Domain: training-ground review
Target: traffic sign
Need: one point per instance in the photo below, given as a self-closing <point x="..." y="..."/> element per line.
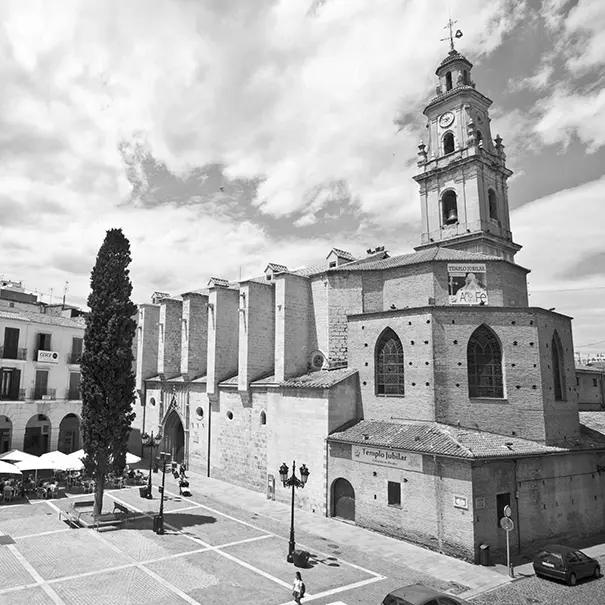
<point x="507" y="511"/>
<point x="507" y="523"/>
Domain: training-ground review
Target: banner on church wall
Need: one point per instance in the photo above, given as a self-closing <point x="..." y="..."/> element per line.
<point x="377" y="455"/>
<point x="467" y="284"/>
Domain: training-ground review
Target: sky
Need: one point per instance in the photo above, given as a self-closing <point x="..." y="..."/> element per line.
<point x="221" y="135"/>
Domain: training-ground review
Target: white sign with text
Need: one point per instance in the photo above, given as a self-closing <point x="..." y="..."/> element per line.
<point x="383" y="457"/>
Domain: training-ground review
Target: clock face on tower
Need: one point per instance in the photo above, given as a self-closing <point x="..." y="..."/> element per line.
<point x="446" y="119"/>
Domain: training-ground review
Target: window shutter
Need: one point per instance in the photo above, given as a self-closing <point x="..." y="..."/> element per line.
<point x="15" y="384"/>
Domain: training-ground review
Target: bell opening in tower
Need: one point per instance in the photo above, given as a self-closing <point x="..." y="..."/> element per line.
<point x="450" y="208"/>
<point x="448" y="80"/>
<point x="448" y="143"/>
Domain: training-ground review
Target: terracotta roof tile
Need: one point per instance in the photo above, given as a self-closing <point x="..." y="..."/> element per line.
<point x="323" y="379"/>
<point x="342" y="254"/>
<point x="446" y="440"/>
<point x="277" y="268"/>
<point x="42" y="318"/>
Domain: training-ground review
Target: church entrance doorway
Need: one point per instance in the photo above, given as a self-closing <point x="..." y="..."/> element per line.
<point x="174" y="437"/>
<point x="343" y="500"/>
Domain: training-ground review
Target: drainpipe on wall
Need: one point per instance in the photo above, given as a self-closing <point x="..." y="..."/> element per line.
<point x="209" y="432"/>
<point x="144" y="401"/>
<point x="517" y="507"/>
<point x="327" y="508"/>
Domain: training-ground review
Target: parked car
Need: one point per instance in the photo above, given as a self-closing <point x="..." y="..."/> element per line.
<point x="417" y="594"/>
<point x="565" y="563"/>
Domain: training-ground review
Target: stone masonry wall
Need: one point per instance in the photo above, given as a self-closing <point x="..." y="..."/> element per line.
<point x="427" y="514"/>
<point x="292" y="325"/>
<point x="147" y="343"/>
<point x="223" y="336"/>
<point x="320" y="330"/>
<point x="194" y="349"/>
<point x="169" y="345"/>
<point x="256" y="332"/>
<point x="344" y="297"/>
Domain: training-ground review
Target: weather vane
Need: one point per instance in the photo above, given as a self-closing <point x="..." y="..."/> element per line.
<point x="458" y="34"/>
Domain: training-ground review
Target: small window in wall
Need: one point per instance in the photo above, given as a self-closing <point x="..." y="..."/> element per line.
<point x="152" y="401"/>
<point x="394" y="493"/>
<point x="44" y="342"/>
<point x="229" y="415"/>
<point x="332" y="264"/>
<point x="595" y="382"/>
<point x="493" y="204"/>
<point x="263" y="418"/>
<point x="577" y="381"/>
<point x="448" y="80"/>
<point x="464" y="76"/>
<point x="448" y="143"/>
<point x="199" y="412"/>
<point x="479" y="136"/>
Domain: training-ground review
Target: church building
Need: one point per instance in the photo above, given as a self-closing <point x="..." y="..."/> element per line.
<point x="421" y="391"/>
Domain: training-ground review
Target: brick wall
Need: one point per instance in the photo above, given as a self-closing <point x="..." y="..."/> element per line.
<point x="319" y="329"/>
<point x="198" y="429"/>
<point x="426" y="515"/>
<point x="223" y="334"/>
<point x="590" y="396"/>
<point x="256" y="332"/>
<point x="169" y="345"/>
<point x="344" y="297"/>
<point x="292" y="325"/>
<point x="194" y="344"/>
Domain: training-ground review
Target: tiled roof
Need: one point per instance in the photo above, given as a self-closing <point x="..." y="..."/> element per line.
<point x="422" y="256"/>
<point x="42" y="318"/>
<point x="229" y="382"/>
<point x="582" y="368"/>
<point x="593" y="420"/>
<point x="323" y="379"/>
<point x="452" y="56"/>
<point x="446" y="440"/>
<point x="217" y="281"/>
<point x="342" y="254"/>
<point x="277" y="268"/>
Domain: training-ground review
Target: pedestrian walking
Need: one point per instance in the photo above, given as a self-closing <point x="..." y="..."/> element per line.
<point x="298" y="588"/>
<point x="182" y="471"/>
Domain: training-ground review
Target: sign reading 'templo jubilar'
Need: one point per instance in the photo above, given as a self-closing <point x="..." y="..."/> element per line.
<point x="391" y="458"/>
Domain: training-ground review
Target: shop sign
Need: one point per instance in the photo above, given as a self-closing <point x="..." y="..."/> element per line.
<point x="467" y="284"/>
<point x="391" y="458"/>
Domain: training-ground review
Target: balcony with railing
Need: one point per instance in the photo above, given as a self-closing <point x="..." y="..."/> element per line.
<point x="13" y="353"/>
<point x="42" y="393"/>
<point x="20" y="396"/>
<point x="74" y="358"/>
<point x="73" y="395"/>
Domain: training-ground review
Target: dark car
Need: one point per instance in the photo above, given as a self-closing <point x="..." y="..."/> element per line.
<point x="565" y="563"/>
<point x="417" y="594"/>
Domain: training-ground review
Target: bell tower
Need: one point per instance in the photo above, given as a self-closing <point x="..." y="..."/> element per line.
<point x="462" y="172"/>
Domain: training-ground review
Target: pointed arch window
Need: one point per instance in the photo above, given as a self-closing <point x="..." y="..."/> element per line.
<point x="389" y="365"/>
<point x="493" y="204"/>
<point x="484" y="360"/>
<point x="448" y="80"/>
<point x="479" y="137"/>
<point x="448" y="143"/>
<point x="558" y="375"/>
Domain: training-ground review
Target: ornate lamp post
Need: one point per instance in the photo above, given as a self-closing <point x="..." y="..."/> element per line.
<point x="294" y="482"/>
<point x="165" y="459"/>
<point x="151" y="442"/>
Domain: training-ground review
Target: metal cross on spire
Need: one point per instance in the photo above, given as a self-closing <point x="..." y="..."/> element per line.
<point x="458" y="34"/>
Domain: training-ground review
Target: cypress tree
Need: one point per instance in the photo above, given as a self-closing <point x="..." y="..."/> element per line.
<point x="108" y="381"/>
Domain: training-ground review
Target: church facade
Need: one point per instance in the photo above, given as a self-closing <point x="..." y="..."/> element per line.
<point x="422" y="391"/>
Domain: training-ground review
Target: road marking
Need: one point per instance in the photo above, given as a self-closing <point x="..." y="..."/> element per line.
<point x="44" y="533"/>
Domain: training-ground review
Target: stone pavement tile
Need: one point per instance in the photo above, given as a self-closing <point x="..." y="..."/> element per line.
<point x="68" y="553"/>
<point x="12" y="573"/>
<point x="236" y="584"/>
<point x="212" y="529"/>
<point x="130" y="586"/>
<point x="28" y="596"/>
<point x="131" y="497"/>
<point x="138" y="541"/>
<point x="29" y="519"/>
<point x="323" y="573"/>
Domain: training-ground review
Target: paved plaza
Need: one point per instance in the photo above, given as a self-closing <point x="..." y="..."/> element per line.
<point x="224" y="545"/>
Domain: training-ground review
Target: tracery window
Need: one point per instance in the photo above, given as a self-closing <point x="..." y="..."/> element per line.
<point x="389" y="365"/>
<point x="484" y="360"/>
<point x="556" y="352"/>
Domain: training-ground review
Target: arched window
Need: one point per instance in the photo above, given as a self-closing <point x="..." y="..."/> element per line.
<point x="464" y="77"/>
<point x="263" y="417"/>
<point x="448" y="143"/>
<point x="450" y="208"/>
<point x="479" y="137"/>
<point x="493" y="205"/>
<point x="484" y="359"/>
<point x="448" y="80"/>
<point x="558" y="375"/>
<point x="389" y="364"/>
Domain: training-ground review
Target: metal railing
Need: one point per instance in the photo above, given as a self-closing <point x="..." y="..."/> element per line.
<point x="42" y="393"/>
<point x="20" y="396"/>
<point x="11" y="353"/>
<point x="74" y="358"/>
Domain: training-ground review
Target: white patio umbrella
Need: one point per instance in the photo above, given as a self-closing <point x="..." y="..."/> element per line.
<point x="61" y="461"/>
<point x="6" y="468"/>
<point x="16" y="456"/>
<point x="37" y="464"/>
<point x="130" y="458"/>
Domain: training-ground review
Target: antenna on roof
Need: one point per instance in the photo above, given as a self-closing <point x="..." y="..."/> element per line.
<point x="65" y="292"/>
<point x="51" y="297"/>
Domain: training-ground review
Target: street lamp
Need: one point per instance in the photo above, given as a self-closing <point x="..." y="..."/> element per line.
<point x="294" y="482"/>
<point x="165" y="459"/>
<point x="151" y="442"/>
